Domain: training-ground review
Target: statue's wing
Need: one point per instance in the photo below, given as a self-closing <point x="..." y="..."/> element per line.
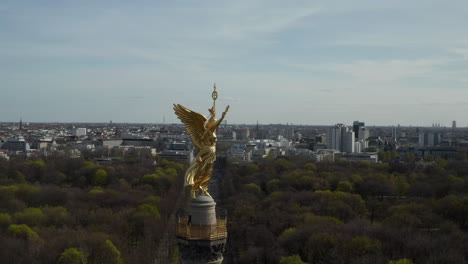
<point x="193" y="122"/>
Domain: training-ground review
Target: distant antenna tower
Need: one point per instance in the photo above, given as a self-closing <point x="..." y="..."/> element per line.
<point x="257" y="131"/>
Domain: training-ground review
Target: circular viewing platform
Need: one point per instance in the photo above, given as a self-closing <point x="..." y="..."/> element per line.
<point x="185" y="229"/>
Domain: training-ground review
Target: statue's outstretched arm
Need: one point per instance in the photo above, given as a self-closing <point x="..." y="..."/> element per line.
<point x="222" y="117"/>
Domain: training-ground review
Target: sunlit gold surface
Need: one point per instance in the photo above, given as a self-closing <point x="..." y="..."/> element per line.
<point x="203" y="134"/>
<point x="201" y="232"/>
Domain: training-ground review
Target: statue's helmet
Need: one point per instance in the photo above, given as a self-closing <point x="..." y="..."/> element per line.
<point x="212" y="120"/>
<point x="212" y="111"/>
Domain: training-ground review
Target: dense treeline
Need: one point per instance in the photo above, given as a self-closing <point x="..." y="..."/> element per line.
<point x="62" y="210"/>
<point x="288" y="210"/>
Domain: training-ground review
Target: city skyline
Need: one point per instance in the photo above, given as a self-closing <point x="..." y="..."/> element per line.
<point x="25" y="124"/>
<point x="299" y="62"/>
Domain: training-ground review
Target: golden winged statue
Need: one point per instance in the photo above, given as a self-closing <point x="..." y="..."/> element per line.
<point x="203" y="134"/>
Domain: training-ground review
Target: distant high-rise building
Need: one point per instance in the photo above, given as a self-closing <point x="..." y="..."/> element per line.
<point x="362" y="140"/>
<point x="356" y="126"/>
<point x="80" y="131"/>
<point x="334" y="136"/>
<point x="357" y="147"/>
<point x="21" y="124"/>
<point x="395" y="133"/>
<point x="288" y="133"/>
<point x="340" y="138"/>
<point x="347" y="142"/>
<point x="421" y="139"/>
<point x="257" y="132"/>
<point x="363" y="134"/>
<point x="429" y="139"/>
<point x="454" y="125"/>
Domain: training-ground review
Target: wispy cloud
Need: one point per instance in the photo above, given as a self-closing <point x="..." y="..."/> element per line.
<point x="333" y="52"/>
<point x="461" y="51"/>
<point x="326" y="90"/>
<point x="386" y="70"/>
<point x="375" y="41"/>
<point x="264" y="22"/>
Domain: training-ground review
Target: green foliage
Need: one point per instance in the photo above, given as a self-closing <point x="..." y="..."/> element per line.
<point x="19" y="177"/>
<point x="363" y="245"/>
<point x="409" y="157"/>
<point x="401" y="185"/>
<point x="320" y="245"/>
<point x="149" y="209"/>
<point x="454" y="208"/>
<point x="170" y="172"/>
<point x="411" y="215"/>
<point x="282" y="165"/>
<point x="9" y="190"/>
<point x="153" y="200"/>
<point x="161" y="180"/>
<point x="376" y="213"/>
<point x="276" y="195"/>
<point x="100" y="177"/>
<point x="5" y="219"/>
<point x="403" y="220"/>
<point x="160" y="171"/>
<point x="293" y="218"/>
<point x="345" y="186"/>
<point x="461" y="154"/>
<point x="57" y="215"/>
<point x="22" y="231"/>
<point x="253" y="188"/>
<point x="89" y="164"/>
<point x="441" y="162"/>
<point x="55" y="177"/>
<point x="27" y="192"/>
<point x="311" y="219"/>
<point x="174" y="165"/>
<point x="455" y="180"/>
<point x="30" y="216"/>
<point x="310" y="167"/>
<point x="301" y="179"/>
<point x="175" y="255"/>
<point x="401" y="261"/>
<point x="105" y="253"/>
<point x="111" y="254"/>
<point x="343" y="206"/>
<point x="96" y="191"/>
<point x="150" y="178"/>
<point x="364" y="164"/>
<point x="273" y="185"/>
<point x="124" y="184"/>
<point x="295" y="259"/>
<point x="388" y="156"/>
<point x="288" y="233"/>
<point x="80" y="213"/>
<point x="39" y="163"/>
<point x="252" y="169"/>
<point x="325" y="175"/>
<point x="72" y="256"/>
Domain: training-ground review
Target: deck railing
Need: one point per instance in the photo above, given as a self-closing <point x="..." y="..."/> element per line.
<point x="201" y="232"/>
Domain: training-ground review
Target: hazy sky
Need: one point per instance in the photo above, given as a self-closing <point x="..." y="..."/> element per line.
<point x="301" y="62"/>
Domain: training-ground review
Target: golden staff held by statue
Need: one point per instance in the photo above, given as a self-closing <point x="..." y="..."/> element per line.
<point x="203" y="134"/>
